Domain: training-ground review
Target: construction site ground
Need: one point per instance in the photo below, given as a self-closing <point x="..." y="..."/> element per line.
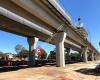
<point x="76" y="71"/>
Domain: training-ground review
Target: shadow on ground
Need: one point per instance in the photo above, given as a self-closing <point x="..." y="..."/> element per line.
<point x="11" y="68"/>
<point x="89" y="71"/>
<point x="15" y="68"/>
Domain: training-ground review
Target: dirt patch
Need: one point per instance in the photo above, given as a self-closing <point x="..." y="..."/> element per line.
<point x="51" y="73"/>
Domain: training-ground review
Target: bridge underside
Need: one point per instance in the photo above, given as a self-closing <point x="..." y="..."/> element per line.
<point x="12" y="26"/>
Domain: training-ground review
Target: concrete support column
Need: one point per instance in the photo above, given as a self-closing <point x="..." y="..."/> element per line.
<point x="96" y="57"/>
<point x="85" y="56"/>
<point x="81" y="56"/>
<point x="60" y="55"/>
<point x="32" y="46"/>
<point x="92" y="56"/>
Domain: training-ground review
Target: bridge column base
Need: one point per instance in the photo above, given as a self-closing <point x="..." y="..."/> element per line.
<point x="32" y="46"/>
<point x="92" y="56"/>
<point x="85" y="55"/>
<point x="60" y="56"/>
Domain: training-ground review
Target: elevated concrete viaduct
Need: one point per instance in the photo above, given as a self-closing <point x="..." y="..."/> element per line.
<point x="43" y="19"/>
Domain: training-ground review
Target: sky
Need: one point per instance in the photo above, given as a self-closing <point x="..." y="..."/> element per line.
<point x="8" y="41"/>
<point x="87" y="10"/>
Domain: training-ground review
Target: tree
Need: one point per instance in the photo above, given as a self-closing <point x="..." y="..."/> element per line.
<point x="21" y="51"/>
<point x="52" y="55"/>
<point x="3" y="54"/>
<point x="24" y="53"/>
<point x="41" y="53"/>
<point x="66" y="56"/>
<point x="44" y="55"/>
<point x="18" y="48"/>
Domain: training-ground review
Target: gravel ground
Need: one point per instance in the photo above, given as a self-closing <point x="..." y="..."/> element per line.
<point x="76" y="71"/>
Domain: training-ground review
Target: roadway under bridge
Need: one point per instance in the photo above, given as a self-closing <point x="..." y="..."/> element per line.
<point x="46" y="21"/>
